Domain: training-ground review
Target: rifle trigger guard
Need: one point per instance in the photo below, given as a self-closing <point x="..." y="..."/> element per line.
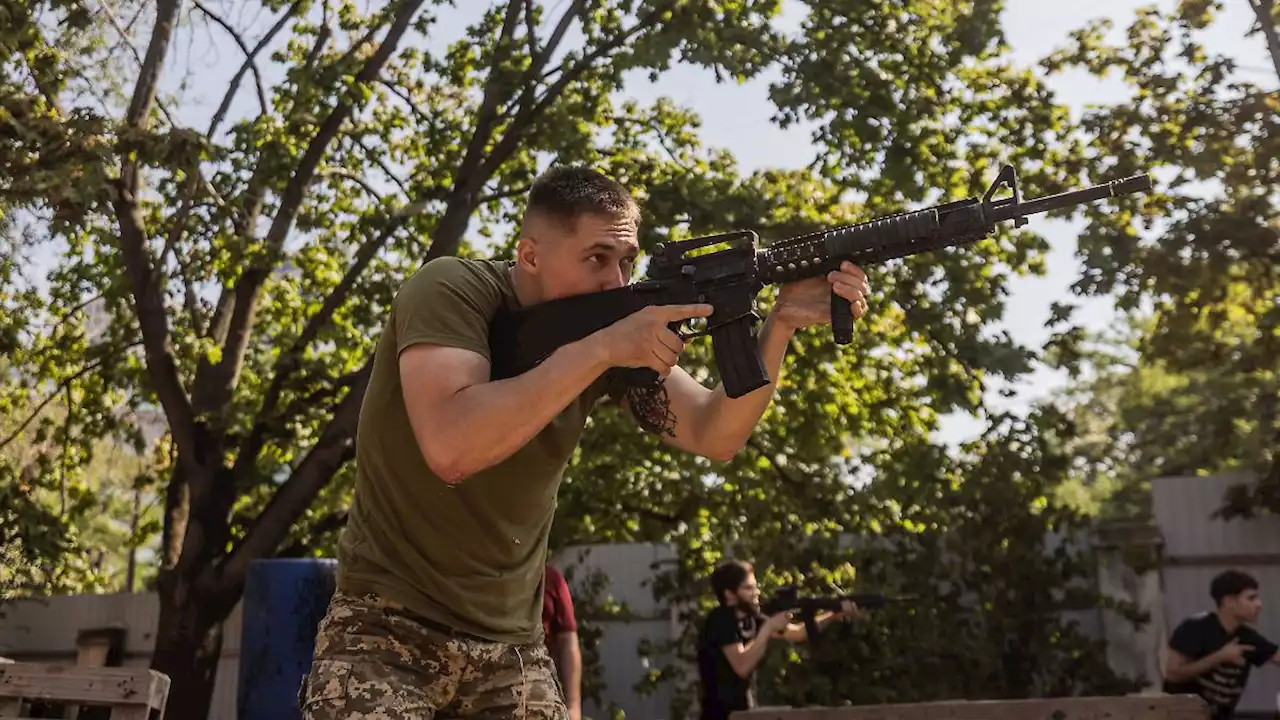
<point x="710" y="328"/>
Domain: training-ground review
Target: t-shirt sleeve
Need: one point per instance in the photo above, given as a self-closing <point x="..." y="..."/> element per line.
<point x="450" y="302"/>
<point x="562" y="617"/>
<point x="722" y="629"/>
<point x="1263" y="649"/>
<point x="1187" y="639"/>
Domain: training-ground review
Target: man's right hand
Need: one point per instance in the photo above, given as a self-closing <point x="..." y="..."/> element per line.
<point x="1233" y="652"/>
<point x="777" y="623"/>
<point x="643" y="339"/>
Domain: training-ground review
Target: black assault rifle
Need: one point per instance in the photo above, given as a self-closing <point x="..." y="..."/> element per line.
<point x="730" y="279"/>
<point x="789" y="599"/>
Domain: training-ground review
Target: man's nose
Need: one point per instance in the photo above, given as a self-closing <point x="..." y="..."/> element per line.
<point x="614" y="279"/>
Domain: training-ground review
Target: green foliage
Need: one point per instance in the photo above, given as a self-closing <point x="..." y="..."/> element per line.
<point x="67" y="521"/>
<point x="1001" y="571"/>
<point x="1193" y="389"/>
<point x="240" y="266"/>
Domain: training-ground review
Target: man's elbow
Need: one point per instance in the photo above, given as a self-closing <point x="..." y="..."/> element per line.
<point x="720" y="455"/>
<point x="445" y="461"/>
<point x="720" y="450"/>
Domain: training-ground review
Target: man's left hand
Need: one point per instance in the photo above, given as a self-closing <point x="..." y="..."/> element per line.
<point x="808" y="302"/>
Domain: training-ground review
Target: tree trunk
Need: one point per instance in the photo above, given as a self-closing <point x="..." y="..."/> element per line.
<point x="188" y="645"/>
<point x="1265" y="10"/>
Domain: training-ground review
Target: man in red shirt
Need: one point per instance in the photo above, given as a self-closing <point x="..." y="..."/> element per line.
<point x="562" y="638"/>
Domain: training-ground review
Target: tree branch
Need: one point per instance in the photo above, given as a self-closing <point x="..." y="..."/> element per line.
<point x="287" y="363"/>
<point x="148" y="303"/>
<point x="222" y="378"/>
<point x="250" y="63"/>
<point x="328" y="523"/>
<point x="243" y="219"/>
<point x="476" y="169"/>
<point x="297" y="493"/>
<point x="239" y="41"/>
<point x="782" y="473"/>
<point x="338" y="171"/>
<point x="512" y="192"/>
<point x="525" y="115"/>
<point x="322" y="38"/>
<point x="65" y="384"/>
<point x="553" y="42"/>
<point x="487" y="116"/>
<point x="382" y="165"/>
<point x="531" y="31"/>
<point x="151" y="64"/>
<point x="1264" y="9"/>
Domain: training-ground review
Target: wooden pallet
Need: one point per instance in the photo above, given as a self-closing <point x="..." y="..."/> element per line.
<point x="124" y="693"/>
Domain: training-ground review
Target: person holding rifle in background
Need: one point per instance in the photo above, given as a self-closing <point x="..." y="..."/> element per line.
<point x="1211" y="653"/>
<point x="735" y="635"/>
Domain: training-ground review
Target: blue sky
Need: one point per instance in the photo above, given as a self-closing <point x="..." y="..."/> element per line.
<point x="736" y="117"/>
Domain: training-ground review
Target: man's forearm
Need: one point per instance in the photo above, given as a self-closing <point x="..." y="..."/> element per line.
<point x="486" y="423"/>
<point x="570" y="667"/>
<point x="1192" y="669"/>
<point x="727" y="422"/>
<point x="752" y="654"/>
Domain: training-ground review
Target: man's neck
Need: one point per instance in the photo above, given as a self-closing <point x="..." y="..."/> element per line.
<point x="526" y="293"/>
<point x="1229" y="622"/>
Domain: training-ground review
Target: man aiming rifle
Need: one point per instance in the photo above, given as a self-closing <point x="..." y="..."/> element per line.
<point x="735" y="635"/>
<point x="437" y="612"/>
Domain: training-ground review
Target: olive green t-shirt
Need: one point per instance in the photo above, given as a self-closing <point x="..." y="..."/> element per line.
<point x="470" y="556"/>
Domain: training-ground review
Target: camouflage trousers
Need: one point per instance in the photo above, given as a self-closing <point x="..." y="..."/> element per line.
<point x="374" y="661"/>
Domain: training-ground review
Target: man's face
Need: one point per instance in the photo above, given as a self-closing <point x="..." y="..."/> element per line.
<point x="747" y="595"/>
<point x="1244" y="607"/>
<point x="598" y="253"/>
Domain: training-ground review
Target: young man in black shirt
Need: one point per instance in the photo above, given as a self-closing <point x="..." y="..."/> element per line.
<point x="1211" y="654"/>
<point x="734" y="636"/>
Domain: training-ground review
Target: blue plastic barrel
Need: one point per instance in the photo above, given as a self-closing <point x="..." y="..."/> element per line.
<point x="284" y="601"/>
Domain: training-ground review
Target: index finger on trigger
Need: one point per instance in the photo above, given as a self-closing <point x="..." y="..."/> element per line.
<point x="680" y="312"/>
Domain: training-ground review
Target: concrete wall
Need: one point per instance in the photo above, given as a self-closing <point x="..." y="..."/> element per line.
<point x="45" y="630"/>
<point x="1197" y="547"/>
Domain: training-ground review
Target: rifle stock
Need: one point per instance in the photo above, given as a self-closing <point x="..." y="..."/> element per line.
<point x="730" y="279"/>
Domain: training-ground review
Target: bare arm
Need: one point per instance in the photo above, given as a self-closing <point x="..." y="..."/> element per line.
<point x="1180" y="668"/>
<point x="744" y="658"/>
<point x="709" y="422"/>
<point x="568" y="657"/>
<point x="797" y="632"/>
<point x="463" y="422"/>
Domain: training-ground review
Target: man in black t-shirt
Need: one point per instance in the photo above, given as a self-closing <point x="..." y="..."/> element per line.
<point x="734" y="636"/>
<point x="1212" y="653"/>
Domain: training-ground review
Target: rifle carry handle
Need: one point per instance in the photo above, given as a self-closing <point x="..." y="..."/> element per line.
<point x="841" y="319"/>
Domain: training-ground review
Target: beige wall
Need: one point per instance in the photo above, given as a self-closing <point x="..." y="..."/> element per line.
<point x="45" y="630"/>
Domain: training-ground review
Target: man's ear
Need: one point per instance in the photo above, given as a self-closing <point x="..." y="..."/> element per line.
<point x="527" y="254"/>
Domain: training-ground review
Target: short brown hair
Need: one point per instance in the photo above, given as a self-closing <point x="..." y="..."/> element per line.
<point x="566" y="192"/>
<point x="729" y="576"/>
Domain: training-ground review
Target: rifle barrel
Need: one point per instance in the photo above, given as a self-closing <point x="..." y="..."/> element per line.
<point x="1123" y="186"/>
